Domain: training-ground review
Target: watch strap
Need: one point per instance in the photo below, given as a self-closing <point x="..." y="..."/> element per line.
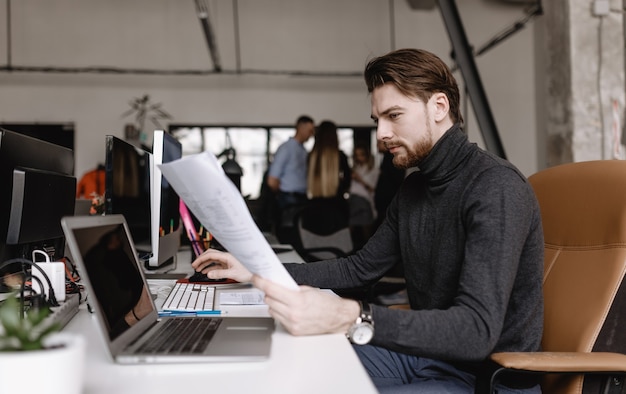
<point x="366" y="312"/>
<point x="362" y="331"/>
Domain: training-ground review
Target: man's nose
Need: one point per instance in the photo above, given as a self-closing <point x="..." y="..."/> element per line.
<point x="383" y="131"/>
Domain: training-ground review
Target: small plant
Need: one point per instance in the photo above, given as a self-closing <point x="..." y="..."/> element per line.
<point x="23" y="332"/>
<point x="144" y="110"/>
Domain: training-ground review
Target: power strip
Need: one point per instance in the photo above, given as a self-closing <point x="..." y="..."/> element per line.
<point x="63" y="313"/>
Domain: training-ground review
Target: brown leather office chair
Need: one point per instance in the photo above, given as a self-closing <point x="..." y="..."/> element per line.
<point x="583" y="207"/>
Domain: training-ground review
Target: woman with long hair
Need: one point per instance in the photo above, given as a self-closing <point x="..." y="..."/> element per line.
<point x="328" y="170"/>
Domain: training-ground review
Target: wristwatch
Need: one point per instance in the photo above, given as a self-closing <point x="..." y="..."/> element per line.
<point x="362" y="331"/>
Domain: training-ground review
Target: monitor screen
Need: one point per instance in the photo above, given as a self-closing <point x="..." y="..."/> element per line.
<point x="166" y="228"/>
<point x="39" y="200"/>
<point x="38" y="188"/>
<point x="128" y="189"/>
<point x="112" y="271"/>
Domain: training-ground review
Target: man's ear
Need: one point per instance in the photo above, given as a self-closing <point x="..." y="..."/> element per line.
<point x="441" y="106"/>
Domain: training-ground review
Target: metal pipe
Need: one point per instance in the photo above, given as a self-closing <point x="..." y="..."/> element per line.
<point x="465" y="60"/>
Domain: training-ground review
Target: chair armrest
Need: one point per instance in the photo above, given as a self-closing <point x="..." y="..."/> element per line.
<point x="561" y="362"/>
<point x="524" y="367"/>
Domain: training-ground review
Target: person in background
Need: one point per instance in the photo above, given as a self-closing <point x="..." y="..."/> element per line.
<point x="328" y="168"/>
<point x="467" y="228"/>
<point x="91" y="184"/>
<point x="287" y="174"/>
<point x="364" y="179"/>
<point x="288" y="171"/>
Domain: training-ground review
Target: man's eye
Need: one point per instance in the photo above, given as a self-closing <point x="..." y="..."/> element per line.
<point x="393" y="116"/>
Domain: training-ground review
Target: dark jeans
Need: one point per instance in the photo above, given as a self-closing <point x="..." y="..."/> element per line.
<point x="393" y="372"/>
<point x="286" y="199"/>
<point x="288" y="205"/>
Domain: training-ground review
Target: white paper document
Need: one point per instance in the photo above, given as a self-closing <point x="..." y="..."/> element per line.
<point x="202" y="184"/>
<point x="241" y="298"/>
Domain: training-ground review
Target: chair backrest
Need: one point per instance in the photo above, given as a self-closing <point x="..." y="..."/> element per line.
<point x="583" y="209"/>
<point x="322" y="229"/>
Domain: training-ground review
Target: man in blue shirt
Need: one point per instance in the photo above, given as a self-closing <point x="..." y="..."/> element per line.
<point x="287" y="173"/>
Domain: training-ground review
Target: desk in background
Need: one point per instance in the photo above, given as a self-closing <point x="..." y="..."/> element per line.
<point x="182" y="265"/>
<point x="309" y="364"/>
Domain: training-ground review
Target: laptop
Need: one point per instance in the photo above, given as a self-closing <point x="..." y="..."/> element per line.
<point x="103" y="251"/>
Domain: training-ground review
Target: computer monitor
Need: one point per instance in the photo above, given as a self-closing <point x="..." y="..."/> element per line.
<point x="38" y="202"/>
<point x="38" y="189"/>
<point x="165" y="227"/>
<point x="128" y="189"/>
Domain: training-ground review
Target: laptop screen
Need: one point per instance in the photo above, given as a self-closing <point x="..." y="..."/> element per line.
<point x="115" y="279"/>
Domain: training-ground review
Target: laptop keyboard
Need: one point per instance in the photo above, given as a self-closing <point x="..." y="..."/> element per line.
<point x="190" y="297"/>
<point x="182" y="335"/>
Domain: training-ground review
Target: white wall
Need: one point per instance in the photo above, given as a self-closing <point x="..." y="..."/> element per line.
<point x="322" y="36"/>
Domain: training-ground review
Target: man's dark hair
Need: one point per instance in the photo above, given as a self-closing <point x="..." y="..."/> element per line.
<point x="304" y="119"/>
<point x="416" y="73"/>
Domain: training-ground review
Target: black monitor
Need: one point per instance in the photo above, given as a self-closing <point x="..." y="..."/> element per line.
<point x="38" y="189"/>
<point x="128" y="189"/>
<point x="166" y="228"/>
<point x="38" y="202"/>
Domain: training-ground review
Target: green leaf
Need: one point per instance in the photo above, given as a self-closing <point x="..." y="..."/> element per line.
<point x="21" y="331"/>
<point x="10" y="313"/>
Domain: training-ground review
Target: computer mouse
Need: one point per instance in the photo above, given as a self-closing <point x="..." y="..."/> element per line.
<point x="199" y="277"/>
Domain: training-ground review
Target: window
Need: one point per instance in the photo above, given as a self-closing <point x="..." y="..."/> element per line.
<point x="254" y="146"/>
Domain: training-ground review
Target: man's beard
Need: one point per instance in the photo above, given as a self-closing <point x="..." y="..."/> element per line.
<point x="419" y="151"/>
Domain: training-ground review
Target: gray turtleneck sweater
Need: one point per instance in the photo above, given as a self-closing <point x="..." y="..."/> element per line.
<point x="467" y="229"/>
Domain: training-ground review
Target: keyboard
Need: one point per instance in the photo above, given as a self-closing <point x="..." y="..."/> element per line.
<point x="182" y="336"/>
<point x="190" y="297"/>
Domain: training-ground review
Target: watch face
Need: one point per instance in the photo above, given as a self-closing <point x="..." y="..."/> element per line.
<point x="362" y="333"/>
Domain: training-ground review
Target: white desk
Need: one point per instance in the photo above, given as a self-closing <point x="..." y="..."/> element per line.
<point x="311" y="364"/>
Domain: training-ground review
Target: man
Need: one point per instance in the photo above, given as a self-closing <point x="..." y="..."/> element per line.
<point x="286" y="178"/>
<point x="287" y="173"/>
<point x="466" y="228"/>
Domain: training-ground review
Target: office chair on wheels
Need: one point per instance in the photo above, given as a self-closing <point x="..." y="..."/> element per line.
<point x="322" y="229"/>
<point x="583" y="208"/>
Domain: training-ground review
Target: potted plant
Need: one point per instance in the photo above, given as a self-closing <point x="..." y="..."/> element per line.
<point x="143" y="110"/>
<point x="34" y="355"/>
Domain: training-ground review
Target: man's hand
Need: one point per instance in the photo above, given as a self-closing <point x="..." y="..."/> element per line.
<point x="273" y="183"/>
<point x="217" y="264"/>
<point x="308" y="311"/>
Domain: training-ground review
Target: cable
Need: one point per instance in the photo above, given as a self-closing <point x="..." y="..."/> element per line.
<point x="237" y="38"/>
<point x="202" y="9"/>
<point x="37" y="300"/>
<point x="9" y="38"/>
<point x="120" y="71"/>
<point x="71" y="279"/>
<point x="52" y="300"/>
<point x="392" y="25"/>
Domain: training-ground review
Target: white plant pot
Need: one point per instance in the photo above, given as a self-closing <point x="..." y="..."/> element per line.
<point x="50" y="371"/>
